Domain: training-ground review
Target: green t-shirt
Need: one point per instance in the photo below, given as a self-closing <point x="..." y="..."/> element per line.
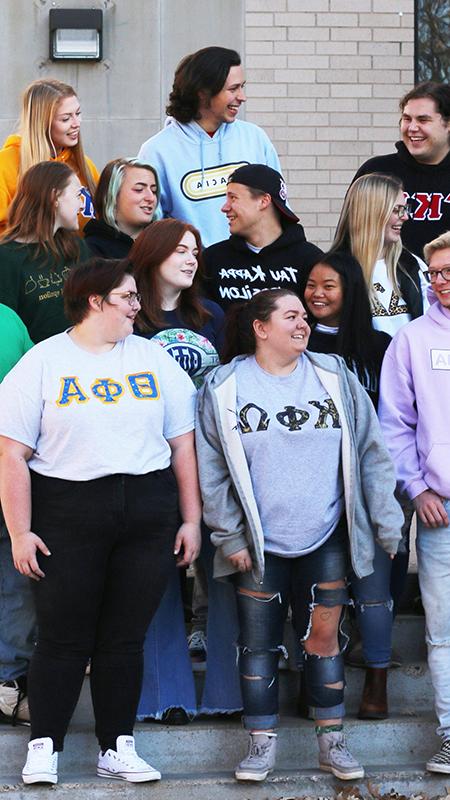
<point x="32" y="285"/>
<point x="14" y="340"/>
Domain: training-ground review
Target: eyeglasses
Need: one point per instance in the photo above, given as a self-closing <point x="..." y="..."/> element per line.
<point x="130" y="297"/>
<point x="432" y="274"/>
<point x="402" y="211"/>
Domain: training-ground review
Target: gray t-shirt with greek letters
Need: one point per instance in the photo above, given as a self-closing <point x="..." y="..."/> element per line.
<point x="291" y="434"/>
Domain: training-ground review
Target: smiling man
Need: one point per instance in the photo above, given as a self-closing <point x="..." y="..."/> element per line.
<point x="413" y="410"/>
<point x="422" y="162"/>
<point x="202" y="142"/>
<point x="267" y="248"/>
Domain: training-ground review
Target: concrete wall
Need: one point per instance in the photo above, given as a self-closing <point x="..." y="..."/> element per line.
<point x="324" y="78"/>
<point x="124" y="96"/>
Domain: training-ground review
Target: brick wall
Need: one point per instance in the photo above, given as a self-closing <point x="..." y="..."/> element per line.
<point x="324" y="79"/>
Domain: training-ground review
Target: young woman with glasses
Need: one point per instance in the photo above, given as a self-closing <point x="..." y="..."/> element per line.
<point x="369" y="229"/>
<point x="99" y="489"/>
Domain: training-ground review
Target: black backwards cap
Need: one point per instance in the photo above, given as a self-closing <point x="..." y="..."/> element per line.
<point x="268" y="180"/>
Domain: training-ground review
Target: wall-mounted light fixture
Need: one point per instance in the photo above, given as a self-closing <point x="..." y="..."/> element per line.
<point x="76" y="34"/>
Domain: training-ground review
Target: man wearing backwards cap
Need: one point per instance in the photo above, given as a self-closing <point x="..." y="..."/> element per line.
<point x="267" y="247"/>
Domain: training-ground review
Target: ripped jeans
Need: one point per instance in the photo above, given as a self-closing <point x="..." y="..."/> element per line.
<point x="374" y="610"/>
<point x="261" y="620"/>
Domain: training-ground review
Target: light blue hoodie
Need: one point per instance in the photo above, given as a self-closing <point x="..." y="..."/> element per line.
<point x="193" y="169"/>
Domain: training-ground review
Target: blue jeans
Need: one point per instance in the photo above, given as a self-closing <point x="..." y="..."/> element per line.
<point x="294" y="581"/>
<point x="17" y="614"/>
<point x="168" y="681"/>
<point x="433" y="557"/>
<point x="373" y="606"/>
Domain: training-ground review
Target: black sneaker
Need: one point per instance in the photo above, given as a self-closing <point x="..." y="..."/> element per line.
<point x="197" y="649"/>
<point x="13" y="703"/>
<point x="440" y="762"/>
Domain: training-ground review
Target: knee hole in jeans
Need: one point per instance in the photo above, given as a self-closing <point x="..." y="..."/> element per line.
<point x="322" y="634"/>
<point x="262" y="597"/>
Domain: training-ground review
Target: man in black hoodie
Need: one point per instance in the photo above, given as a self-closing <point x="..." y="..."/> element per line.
<point x="422" y="163"/>
<point x="267" y="247"/>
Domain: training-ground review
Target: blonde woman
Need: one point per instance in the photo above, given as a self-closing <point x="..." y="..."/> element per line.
<point x="49" y="128"/>
<point x="370" y="229"/>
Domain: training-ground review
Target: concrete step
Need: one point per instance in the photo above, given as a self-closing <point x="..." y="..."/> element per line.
<point x="281" y="785"/>
<point x="206" y="746"/>
<point x="409" y="691"/>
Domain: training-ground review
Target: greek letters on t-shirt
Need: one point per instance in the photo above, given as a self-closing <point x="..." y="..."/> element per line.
<point x="88" y="206"/>
<point x="253" y="418"/>
<point x="396" y="304"/>
<point x="279" y="276"/>
<point x="428" y="205"/>
<point x="141" y="386"/>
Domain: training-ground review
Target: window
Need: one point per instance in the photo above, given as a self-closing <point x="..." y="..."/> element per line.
<point x="432" y="40"/>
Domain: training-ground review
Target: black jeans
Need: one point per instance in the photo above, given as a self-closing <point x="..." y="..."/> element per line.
<point x="111" y="543"/>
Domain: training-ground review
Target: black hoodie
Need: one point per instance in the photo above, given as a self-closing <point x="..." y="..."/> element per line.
<point x="235" y="273"/>
<point x="428" y="186"/>
<point x="105" y="241"/>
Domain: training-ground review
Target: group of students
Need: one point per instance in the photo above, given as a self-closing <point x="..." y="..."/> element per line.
<point x="104" y="491"/>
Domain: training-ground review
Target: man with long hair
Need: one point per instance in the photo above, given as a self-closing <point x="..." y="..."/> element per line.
<point x="202" y="142"/>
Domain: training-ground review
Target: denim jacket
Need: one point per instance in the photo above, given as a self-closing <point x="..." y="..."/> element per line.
<point x="230" y="508"/>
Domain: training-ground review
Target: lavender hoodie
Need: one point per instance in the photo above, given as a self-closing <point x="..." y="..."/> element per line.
<point x="414" y="408"/>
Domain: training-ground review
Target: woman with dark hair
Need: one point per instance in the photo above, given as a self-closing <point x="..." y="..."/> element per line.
<point x="202" y="141"/>
<point x="49" y="130"/>
<point x="167" y="265"/>
<point x="335" y="296"/>
<point x="99" y="490"/>
<point x="40" y="245"/>
<point x="125" y="202"/>
<point x="268" y="423"/>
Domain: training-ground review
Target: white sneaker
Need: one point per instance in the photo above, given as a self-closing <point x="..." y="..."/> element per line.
<point x="14" y="703"/>
<point x="124" y="763"/>
<point x="42" y="763"/>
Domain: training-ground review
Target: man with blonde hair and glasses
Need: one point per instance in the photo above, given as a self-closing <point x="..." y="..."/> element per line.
<point x="413" y="410"/>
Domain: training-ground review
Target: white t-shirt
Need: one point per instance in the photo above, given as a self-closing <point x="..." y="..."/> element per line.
<point x="87" y="415"/>
<point x="391" y="312"/>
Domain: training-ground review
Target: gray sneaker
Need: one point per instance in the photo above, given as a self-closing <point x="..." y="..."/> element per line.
<point x="335" y="757"/>
<point x="260" y="759"/>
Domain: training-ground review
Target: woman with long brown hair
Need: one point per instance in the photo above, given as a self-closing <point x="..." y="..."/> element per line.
<point x="167" y="265"/>
<point x="48" y="130"/>
<point x="40" y="245"/>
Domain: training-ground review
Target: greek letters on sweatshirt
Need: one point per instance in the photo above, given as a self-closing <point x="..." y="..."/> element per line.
<point x="414" y="403"/>
<point x="234" y="273"/>
<point x="193" y="169"/>
<point x="428" y="188"/>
